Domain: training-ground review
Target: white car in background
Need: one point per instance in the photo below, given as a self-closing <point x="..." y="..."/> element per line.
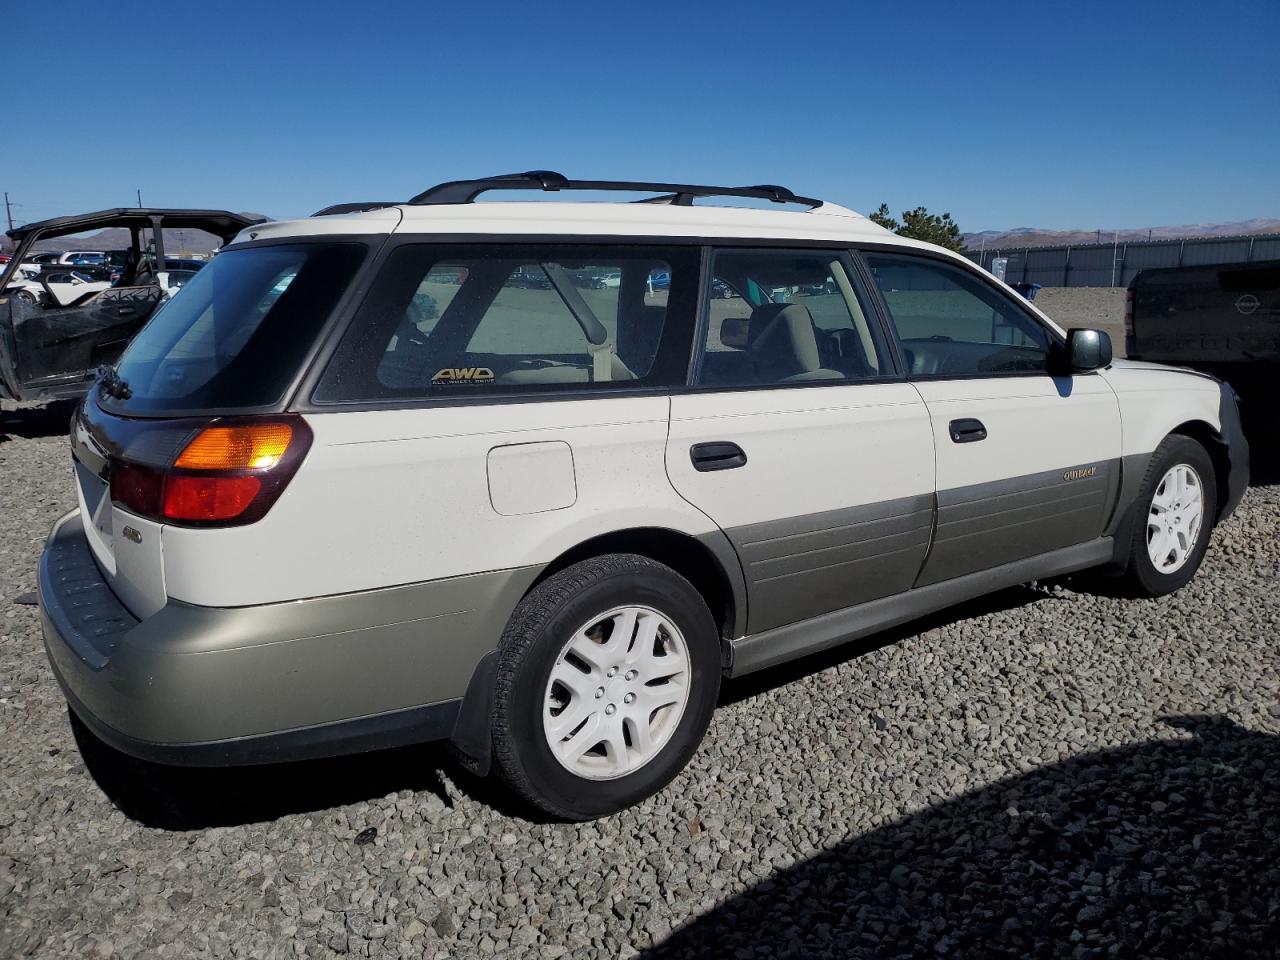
<point x="543" y="520"/>
<point x="56" y="285"/>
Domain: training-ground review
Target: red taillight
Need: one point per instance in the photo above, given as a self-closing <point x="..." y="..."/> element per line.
<point x="206" y="499"/>
<point x="137" y="488"/>
<point x="229" y="472"/>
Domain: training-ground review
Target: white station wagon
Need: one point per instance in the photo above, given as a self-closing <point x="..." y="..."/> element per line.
<point x="532" y="477"/>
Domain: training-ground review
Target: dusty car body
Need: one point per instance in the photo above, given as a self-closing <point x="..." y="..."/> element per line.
<point x="53" y="336"/>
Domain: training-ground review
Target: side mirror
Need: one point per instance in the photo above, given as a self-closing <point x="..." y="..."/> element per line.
<point x="1087" y="349"/>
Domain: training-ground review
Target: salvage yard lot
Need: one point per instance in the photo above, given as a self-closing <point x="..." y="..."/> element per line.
<point x="1042" y="773"/>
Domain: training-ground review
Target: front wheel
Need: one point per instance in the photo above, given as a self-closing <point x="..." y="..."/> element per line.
<point x="1176" y="508"/>
<point x="607" y="678"/>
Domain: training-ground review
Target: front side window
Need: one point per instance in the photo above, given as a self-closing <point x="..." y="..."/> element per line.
<point x="785" y="317"/>
<point x="443" y="322"/>
<point x="951" y="323"/>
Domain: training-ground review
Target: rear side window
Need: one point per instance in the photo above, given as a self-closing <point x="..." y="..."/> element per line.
<point x="449" y="322"/>
<point x="785" y="317"/>
<point x="951" y="323"/>
<point x="238" y="331"/>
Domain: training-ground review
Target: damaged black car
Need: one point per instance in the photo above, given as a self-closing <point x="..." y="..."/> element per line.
<point x="59" y="322"/>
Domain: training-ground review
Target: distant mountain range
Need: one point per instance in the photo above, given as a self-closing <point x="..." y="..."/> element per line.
<point x="176" y="242"/>
<point x="1036" y="237"/>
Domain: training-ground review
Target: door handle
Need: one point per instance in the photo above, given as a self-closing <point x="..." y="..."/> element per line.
<point x="967" y="430"/>
<point x="721" y="455"/>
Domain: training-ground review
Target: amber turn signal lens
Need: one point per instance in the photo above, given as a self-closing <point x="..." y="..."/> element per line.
<point x="249" y="447"/>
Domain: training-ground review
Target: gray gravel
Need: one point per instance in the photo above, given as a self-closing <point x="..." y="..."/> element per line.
<point x="1044" y="773"/>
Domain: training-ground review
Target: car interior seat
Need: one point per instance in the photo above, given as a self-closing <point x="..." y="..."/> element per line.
<point x="783" y="345"/>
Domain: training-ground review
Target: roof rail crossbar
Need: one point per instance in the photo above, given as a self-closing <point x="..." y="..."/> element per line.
<point x="681" y="194"/>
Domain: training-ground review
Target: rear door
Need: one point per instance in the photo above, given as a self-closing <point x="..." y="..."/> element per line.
<point x="1027" y="462"/>
<point x="800" y="440"/>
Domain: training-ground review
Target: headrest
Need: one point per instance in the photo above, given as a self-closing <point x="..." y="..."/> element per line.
<point x="782" y="342"/>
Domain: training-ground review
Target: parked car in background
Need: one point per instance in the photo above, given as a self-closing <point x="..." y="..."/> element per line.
<point x="39" y="260"/>
<point x="58" y="285"/>
<point x="60" y="321"/>
<point x="1223" y="320"/>
<point x="84" y="257"/>
<point x="546" y="522"/>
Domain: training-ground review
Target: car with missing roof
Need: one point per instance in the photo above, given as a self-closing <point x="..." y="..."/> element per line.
<point x="541" y="520"/>
<point x="64" y="315"/>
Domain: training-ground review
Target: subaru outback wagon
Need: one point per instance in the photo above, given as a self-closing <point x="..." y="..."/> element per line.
<point x="628" y="450"/>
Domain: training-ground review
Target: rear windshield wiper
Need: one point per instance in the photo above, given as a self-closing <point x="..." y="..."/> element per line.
<point x="112" y="384"/>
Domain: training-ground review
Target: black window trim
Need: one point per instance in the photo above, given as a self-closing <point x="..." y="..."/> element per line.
<point x="303" y="400"/>
<point x="326" y="342"/>
<point x="1057" y="343"/>
<point x="845" y="256"/>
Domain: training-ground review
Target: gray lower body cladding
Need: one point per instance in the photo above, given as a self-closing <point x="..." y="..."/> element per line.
<point x="988" y="524"/>
<point x="209" y="685"/>
<point x="801" y="567"/>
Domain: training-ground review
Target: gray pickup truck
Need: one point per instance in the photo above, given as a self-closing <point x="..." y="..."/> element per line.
<point x="1224" y="319"/>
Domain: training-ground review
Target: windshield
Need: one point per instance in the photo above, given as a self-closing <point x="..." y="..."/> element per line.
<point x="236" y="333"/>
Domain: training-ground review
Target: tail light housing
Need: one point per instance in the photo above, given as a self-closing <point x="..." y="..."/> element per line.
<point x="228" y="472"/>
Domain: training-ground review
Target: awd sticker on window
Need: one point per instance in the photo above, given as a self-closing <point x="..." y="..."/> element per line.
<point x="463" y="375"/>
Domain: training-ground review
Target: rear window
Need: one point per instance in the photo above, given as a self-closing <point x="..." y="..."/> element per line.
<point x="236" y="333"/>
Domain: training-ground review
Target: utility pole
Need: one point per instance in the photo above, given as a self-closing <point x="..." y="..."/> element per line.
<point x="8" y="209"/>
<point x="139" y="197"/>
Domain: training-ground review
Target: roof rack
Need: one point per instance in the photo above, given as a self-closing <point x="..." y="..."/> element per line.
<point x="679" y="194"/>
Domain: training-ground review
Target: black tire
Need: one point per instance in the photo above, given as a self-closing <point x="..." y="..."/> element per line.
<point x="26" y="296"/>
<point x="540" y="626"/>
<point x="1141" y="578"/>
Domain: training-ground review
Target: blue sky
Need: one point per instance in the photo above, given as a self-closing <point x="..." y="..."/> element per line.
<point x="1050" y="114"/>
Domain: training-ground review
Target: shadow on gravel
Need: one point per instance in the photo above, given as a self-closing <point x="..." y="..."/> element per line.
<point x="32" y="422"/>
<point x="744" y="688"/>
<point x="182" y="798"/>
<point x="1168" y="849"/>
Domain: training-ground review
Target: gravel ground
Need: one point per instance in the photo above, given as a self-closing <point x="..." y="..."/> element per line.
<point x="1042" y="773"/>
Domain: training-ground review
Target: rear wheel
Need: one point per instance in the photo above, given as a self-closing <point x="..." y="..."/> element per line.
<point x="607" y="678"/>
<point x="1175" y="516"/>
<point x="26" y="296"/>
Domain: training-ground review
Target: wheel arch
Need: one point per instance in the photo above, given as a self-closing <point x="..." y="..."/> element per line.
<point x="1216" y="446"/>
<point x="708" y="561"/>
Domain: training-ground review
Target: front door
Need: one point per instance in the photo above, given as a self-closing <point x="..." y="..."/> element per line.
<point x="1027" y="462"/>
<point x="800" y="441"/>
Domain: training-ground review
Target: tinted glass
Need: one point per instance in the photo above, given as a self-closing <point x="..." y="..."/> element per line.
<point x="237" y="332"/>
<point x="787" y="317"/>
<point x="952" y="323"/>
<point x="443" y="322"/>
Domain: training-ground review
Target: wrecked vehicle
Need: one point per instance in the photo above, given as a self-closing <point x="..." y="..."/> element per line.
<point x="59" y="323"/>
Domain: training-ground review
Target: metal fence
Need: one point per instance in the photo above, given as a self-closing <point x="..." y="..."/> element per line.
<point x="1115" y="264"/>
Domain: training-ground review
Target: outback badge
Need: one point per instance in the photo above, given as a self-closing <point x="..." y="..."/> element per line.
<point x="1079" y="473"/>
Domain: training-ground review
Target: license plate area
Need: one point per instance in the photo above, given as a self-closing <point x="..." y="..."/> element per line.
<point x="95" y="507"/>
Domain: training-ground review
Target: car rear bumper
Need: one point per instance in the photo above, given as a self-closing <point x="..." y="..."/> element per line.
<point x="221" y="686"/>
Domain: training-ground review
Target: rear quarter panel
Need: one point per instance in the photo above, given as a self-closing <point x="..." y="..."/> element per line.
<point x="404" y="496"/>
